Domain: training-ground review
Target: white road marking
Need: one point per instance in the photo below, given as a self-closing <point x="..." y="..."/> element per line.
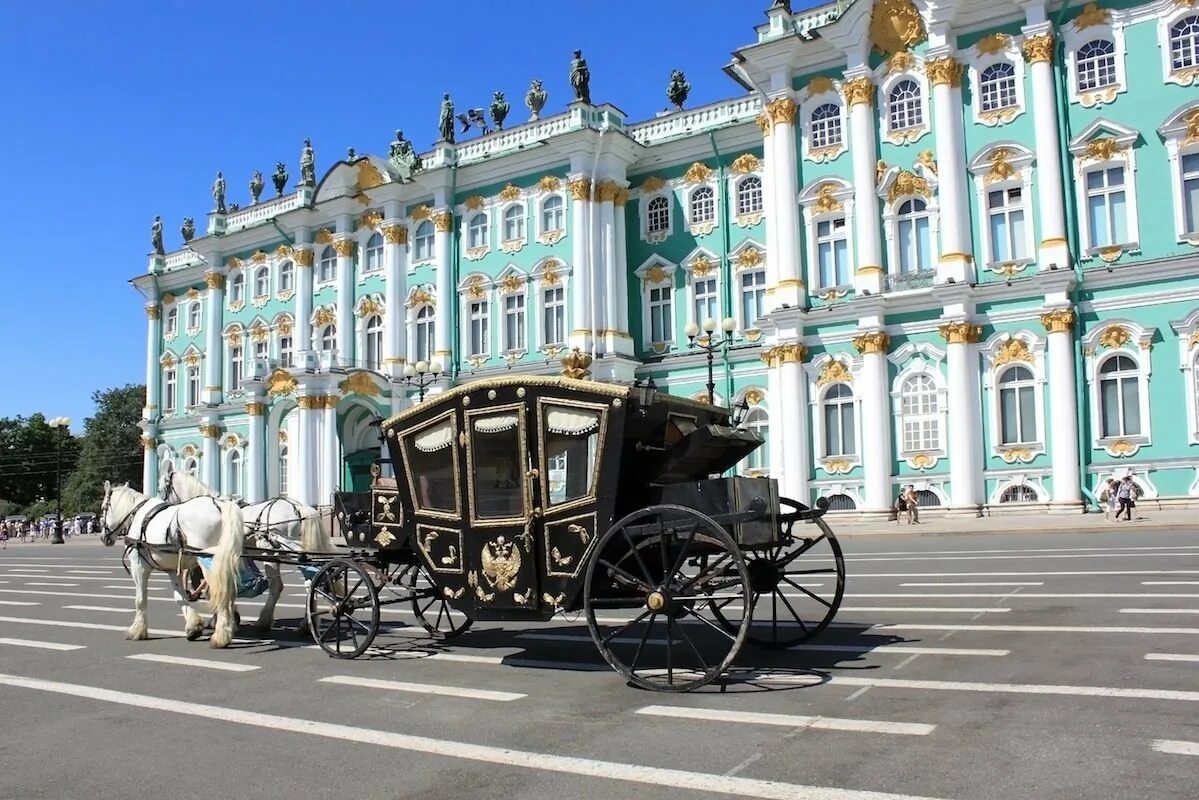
<point x="1170" y="583"/>
<point x="926" y="609"/>
<point x="1040" y="550"/>
<point x="1042" y="595"/>
<point x="424" y="688"/>
<point x="1176" y="747"/>
<point x="99" y="626"/>
<point x="158" y="577"/>
<point x="857" y="575"/>
<point x="1017" y="583"/>
<point x="1008" y="557"/>
<point x="1159" y="611"/>
<point x="568" y="765"/>
<point x="35" y="570"/>
<point x="18" y="603"/>
<point x="225" y="666"/>
<point x="897" y="649"/>
<point x="918" y="626"/>
<point x="126" y="586"/>
<point x="41" y="645"/>
<point x="1171" y="657"/>
<point x="95" y="571"/>
<point x="55" y="585"/>
<point x="98" y="608"/>
<point x="998" y="688"/>
<point x="583" y="637"/>
<point x="790" y="721"/>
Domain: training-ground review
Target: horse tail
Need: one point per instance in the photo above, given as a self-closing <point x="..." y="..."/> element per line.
<point x="313" y="536"/>
<point x="226" y="560"/>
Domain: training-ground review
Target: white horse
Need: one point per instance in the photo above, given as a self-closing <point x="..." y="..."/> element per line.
<point x="162" y="531"/>
<point x="279" y="523"/>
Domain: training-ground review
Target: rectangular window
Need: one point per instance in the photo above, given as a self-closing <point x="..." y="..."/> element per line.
<point x="235" y="362"/>
<point x="1106" y="211"/>
<point x="169" y="395"/>
<point x="514" y="322"/>
<point x="661" y="328"/>
<point x="1005" y="214"/>
<point x="706" y="301"/>
<point x="285" y="352"/>
<point x="260" y="351"/>
<point x="478" y="329"/>
<point x="1190" y="193"/>
<point x="914" y="245"/>
<point x="193" y="386"/>
<point x="554" y="307"/>
<point x="1018" y="421"/>
<point x="832" y="251"/>
<point x="753" y="298"/>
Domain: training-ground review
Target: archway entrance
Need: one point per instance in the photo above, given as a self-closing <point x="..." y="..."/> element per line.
<point x="359" y="446"/>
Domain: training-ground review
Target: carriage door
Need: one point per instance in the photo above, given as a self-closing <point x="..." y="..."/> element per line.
<point x="498" y="541"/>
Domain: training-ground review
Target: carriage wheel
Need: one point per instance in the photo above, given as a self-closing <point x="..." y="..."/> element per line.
<point x="797" y="586"/>
<point x="670" y="564"/>
<point x="343" y="609"/>
<point x="432" y="609"/>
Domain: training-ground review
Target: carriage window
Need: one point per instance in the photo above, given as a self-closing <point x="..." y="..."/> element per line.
<point x="497" y="473"/>
<point x="571" y="439"/>
<point x="430" y="457"/>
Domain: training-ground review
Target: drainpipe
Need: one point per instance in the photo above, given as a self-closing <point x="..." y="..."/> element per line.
<point x="287" y="237"/>
<point x="599" y="146"/>
<point x="726" y="276"/>
<point x="455" y="269"/>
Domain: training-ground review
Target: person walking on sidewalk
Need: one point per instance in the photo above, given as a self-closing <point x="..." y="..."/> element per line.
<point x="1110" y="500"/>
<point x="1126" y="494"/>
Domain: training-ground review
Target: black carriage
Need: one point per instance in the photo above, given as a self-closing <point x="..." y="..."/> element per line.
<point x="522" y="498"/>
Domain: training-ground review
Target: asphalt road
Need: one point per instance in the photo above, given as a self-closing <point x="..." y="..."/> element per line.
<point x="972" y="667"/>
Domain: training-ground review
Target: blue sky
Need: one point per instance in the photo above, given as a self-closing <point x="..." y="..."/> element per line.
<point x="120" y="111"/>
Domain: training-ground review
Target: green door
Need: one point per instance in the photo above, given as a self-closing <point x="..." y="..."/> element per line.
<point x="357" y="477"/>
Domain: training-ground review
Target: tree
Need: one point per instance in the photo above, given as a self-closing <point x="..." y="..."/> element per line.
<point x="28" y="458"/>
<point x="112" y="449"/>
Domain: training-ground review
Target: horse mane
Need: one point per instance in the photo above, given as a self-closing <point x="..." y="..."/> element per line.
<point x="123" y="500"/>
<point x="190" y="486"/>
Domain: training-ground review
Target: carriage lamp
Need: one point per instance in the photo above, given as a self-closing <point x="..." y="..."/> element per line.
<point x="709" y="344"/>
<point x="646" y="392"/>
<point x="423" y="375"/>
<point x="62" y="426"/>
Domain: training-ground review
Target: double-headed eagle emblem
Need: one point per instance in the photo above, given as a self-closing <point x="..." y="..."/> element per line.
<point x="501" y="564"/>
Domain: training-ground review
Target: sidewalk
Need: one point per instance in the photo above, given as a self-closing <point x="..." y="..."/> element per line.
<point x="1180" y="520"/>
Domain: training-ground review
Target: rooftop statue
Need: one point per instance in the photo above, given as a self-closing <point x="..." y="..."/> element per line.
<point x="218" y="193"/>
<point x="580" y="78"/>
<point x="256" y="184"/>
<point x="280" y="178"/>
<point x="351" y="155"/>
<point x="535" y="99"/>
<point x="188" y="229"/>
<point x="156" y="236"/>
<point x="445" y="123"/>
<point x="678" y="89"/>
<point x="499" y="110"/>
<point x="307" y="165"/>
<point x="403" y="157"/>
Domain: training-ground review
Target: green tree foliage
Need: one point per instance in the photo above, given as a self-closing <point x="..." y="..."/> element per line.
<point x="112" y="449"/>
<point x="28" y="458"/>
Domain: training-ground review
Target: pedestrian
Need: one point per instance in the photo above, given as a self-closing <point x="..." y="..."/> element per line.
<point x="1126" y="494"/>
<point x="1111" y="503"/>
<point x="913" y="505"/>
<point x="3" y="535"/>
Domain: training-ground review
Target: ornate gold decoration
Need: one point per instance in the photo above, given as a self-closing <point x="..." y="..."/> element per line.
<point x="1038" y="48"/>
<point x="149" y="443"/>
<point x="510" y="192"/>
<point x="191" y="359"/>
<point x="1001" y="169"/>
<point x="285" y="327"/>
<point x="304" y="257"/>
<point x="900" y="62"/>
<point x="231" y="440"/>
<point x="576" y="364"/>
<point x="369" y="308"/>
<point x="622" y="196"/>
<point x="474" y="202"/>
<point x="511" y="284"/>
<point x="834" y="372"/>
<point x="782" y="110"/>
<point x="1102" y="148"/>
<point x="1011" y="455"/>
<point x="745" y="164"/>
<point x="1122" y="448"/>
<point x="819" y="85"/>
<point x="214" y="280"/>
<point x="168" y="299"/>
<point x="791" y="353"/>
<point x="475" y="287"/>
<point x="282" y="251"/>
<point x="1058" y="321"/>
<point x="209" y="431"/>
<point x="1192" y="123"/>
<point x="1011" y="351"/>
<point x="419" y="297"/>
<point x="255" y="409"/>
<point x="748" y="258"/>
<point x="368" y="175"/>
<point x="944" y="71"/>
<point x="580" y="188"/>
<point x="702" y="267"/>
<point x="874" y="342"/>
<point x="501" y="563"/>
<point x="188" y="450"/>
<point x="763" y="121"/>
<point x="192" y="294"/>
<point x="344" y="247"/>
<point x="825" y="202"/>
<point x="395" y="234"/>
<point x="549" y="183"/>
<point x="998" y="115"/>
<point x="858" y="90"/>
<point x="311" y="401"/>
<point x="324" y="317"/>
<point x="549" y="273"/>
<point x="836" y="466"/>
<point x="605" y="191"/>
<point x="280" y="383"/>
<point x="960" y="332"/>
<point x="370" y="219"/>
<point x="259" y="257"/>
<point x="927" y="160"/>
<point x="360" y="383"/>
<point x="754" y="396"/>
<point x="1115" y="336"/>
<point x="907" y="183"/>
<point x="421" y="213"/>
<point x="168" y="361"/>
<point x="323" y="236"/>
<point x="995" y="43"/>
<point x="880" y="169"/>
<point x="233" y="262"/>
<point x="152" y="311"/>
<point x="655" y="274"/>
<point x="443" y="221"/>
<point x="1194" y="340"/>
<point x="896" y="25"/>
<point x="652" y="184"/>
<point x="1091" y="15"/>
<point x="1110" y="255"/>
<point x="921" y="461"/>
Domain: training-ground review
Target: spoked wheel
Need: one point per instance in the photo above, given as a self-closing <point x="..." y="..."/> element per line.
<point x="343" y="609"/>
<point x="669" y="565"/>
<point x="797" y="585"/>
<point x="431" y="607"/>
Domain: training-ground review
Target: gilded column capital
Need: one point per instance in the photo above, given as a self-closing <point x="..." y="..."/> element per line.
<point x="605" y="191"/>
<point x="149" y="443"/>
<point x="873" y="342"/>
<point x="792" y="353"/>
<point x="256" y="409"/>
<point x="580" y="188"/>
<point x="1058" y="321"/>
<point x="303" y="256"/>
<point x="858" y="91"/>
<point x="311" y="401"/>
<point x="343" y="247"/>
<point x="209" y="431"/>
<point x="781" y="110"/>
<point x="621" y="197"/>
<point x="395" y="234"/>
<point x="960" y="332"/>
<point x="764" y="123"/>
<point x="214" y="279"/>
<point x="1039" y="48"/>
<point x="152" y="310"/>
<point x="443" y="221"/>
<point x="944" y="71"/>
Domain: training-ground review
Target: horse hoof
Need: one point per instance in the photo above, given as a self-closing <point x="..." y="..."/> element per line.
<point x="194" y="633"/>
<point x="137" y="635"/>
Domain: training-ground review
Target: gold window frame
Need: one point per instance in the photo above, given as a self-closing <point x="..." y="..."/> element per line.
<point x="405" y="439"/>
<point x="522" y="430"/>
<point x="543" y="465"/>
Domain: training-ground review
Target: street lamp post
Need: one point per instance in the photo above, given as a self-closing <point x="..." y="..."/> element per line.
<point x="710" y="345"/>
<point x="62" y="425"/>
<point x="422" y="376"/>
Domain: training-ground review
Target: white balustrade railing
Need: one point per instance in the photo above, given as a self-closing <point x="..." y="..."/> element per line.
<point x="260" y="213"/>
<point x="717" y="115"/>
<point x="181" y="258"/>
<point x="525" y="135"/>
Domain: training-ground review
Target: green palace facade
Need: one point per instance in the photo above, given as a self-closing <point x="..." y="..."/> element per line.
<point x="958" y="242"/>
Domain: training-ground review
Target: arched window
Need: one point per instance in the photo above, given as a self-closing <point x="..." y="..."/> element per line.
<point x="749" y="195"/>
<point x="233" y="489"/>
<point x="328" y="268"/>
<point x="826" y="126"/>
<point x="193" y="317"/>
<point x="553" y="217"/>
<point x="237" y="288"/>
<point x="832" y="251"/>
<point x="262" y="282"/>
<point x="1184" y="43"/>
<point x="478" y="230"/>
<point x="841" y="502"/>
<point x="1120" y="397"/>
<point x="170" y="391"/>
<point x="514" y="223"/>
<point x="839" y="434"/>
<point x="912" y="230"/>
<point x="422" y="349"/>
<point x="703" y="205"/>
<point x="920" y="414"/>
<point x="235" y="367"/>
<point x="657" y="215"/>
<point x="1018" y="494"/>
<point x="753" y="297"/>
<point x="283" y="470"/>
<point x="171" y="323"/>
<point x="1017" y="406"/>
<point x="759" y="422"/>
<point x="374" y="341"/>
<point x="372" y="257"/>
<point x="1095" y="64"/>
<point x="422" y="242"/>
<point x="286" y="276"/>
<point x="997" y="86"/>
<point x="927" y="499"/>
<point x="190" y="466"/>
<point x="906" y="111"/>
<point x="329" y="338"/>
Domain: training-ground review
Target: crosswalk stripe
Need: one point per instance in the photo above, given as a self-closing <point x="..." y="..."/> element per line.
<point x="486" y="754"/>
<point x="1043" y="550"/>
<point x="1009" y="557"/>
<point x="18" y="603"/>
<point x="1159" y="611"/>
<point x="98" y="608"/>
<point x="41" y="645"/>
<point x="966" y="686"/>
<point x="100" y="626"/>
<point x="1022" y="574"/>
<point x="1013" y="583"/>
<point x="1170" y="583"/>
<point x="203" y="663"/>
<point x="925" y="609"/>
<point x="1035" y="595"/>
<point x="55" y="585"/>
<point x="583" y="637"/>
<point x="1176" y="747"/>
<point x="789" y="720"/>
<point x="930" y="626"/>
<point x="159" y="577"/>
<point x="899" y="649"/>
<point x="424" y="688"/>
<point x="1171" y="657"/>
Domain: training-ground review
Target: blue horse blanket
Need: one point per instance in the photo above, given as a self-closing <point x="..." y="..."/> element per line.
<point x="250" y="580"/>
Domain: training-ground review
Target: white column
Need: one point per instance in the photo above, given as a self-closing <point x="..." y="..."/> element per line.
<point x="302" y="342"/>
<point x="784" y="214"/>
<point x="304" y="455"/>
<point x="581" y="277"/>
<point x="153" y="357"/>
<point x="1063" y="410"/>
<point x="622" y="264"/>
<point x="780" y="418"/>
<point x="214" y="323"/>
<point x="796" y="440"/>
<point x="443" y="244"/>
<point x="210" y="455"/>
<point x="330" y="451"/>
<point x="957" y="260"/>
<point x="150" y="461"/>
<point x="1038" y="49"/>
<point x="346" y="339"/>
<point x="963" y="437"/>
<point x="255" y="491"/>
<point x="876" y="420"/>
<point x="768" y="201"/>
<point x="395" y="343"/>
<point x="608" y="262"/>
<point x="863" y="148"/>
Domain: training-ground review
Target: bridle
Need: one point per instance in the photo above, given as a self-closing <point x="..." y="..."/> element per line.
<point x="109" y="534"/>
